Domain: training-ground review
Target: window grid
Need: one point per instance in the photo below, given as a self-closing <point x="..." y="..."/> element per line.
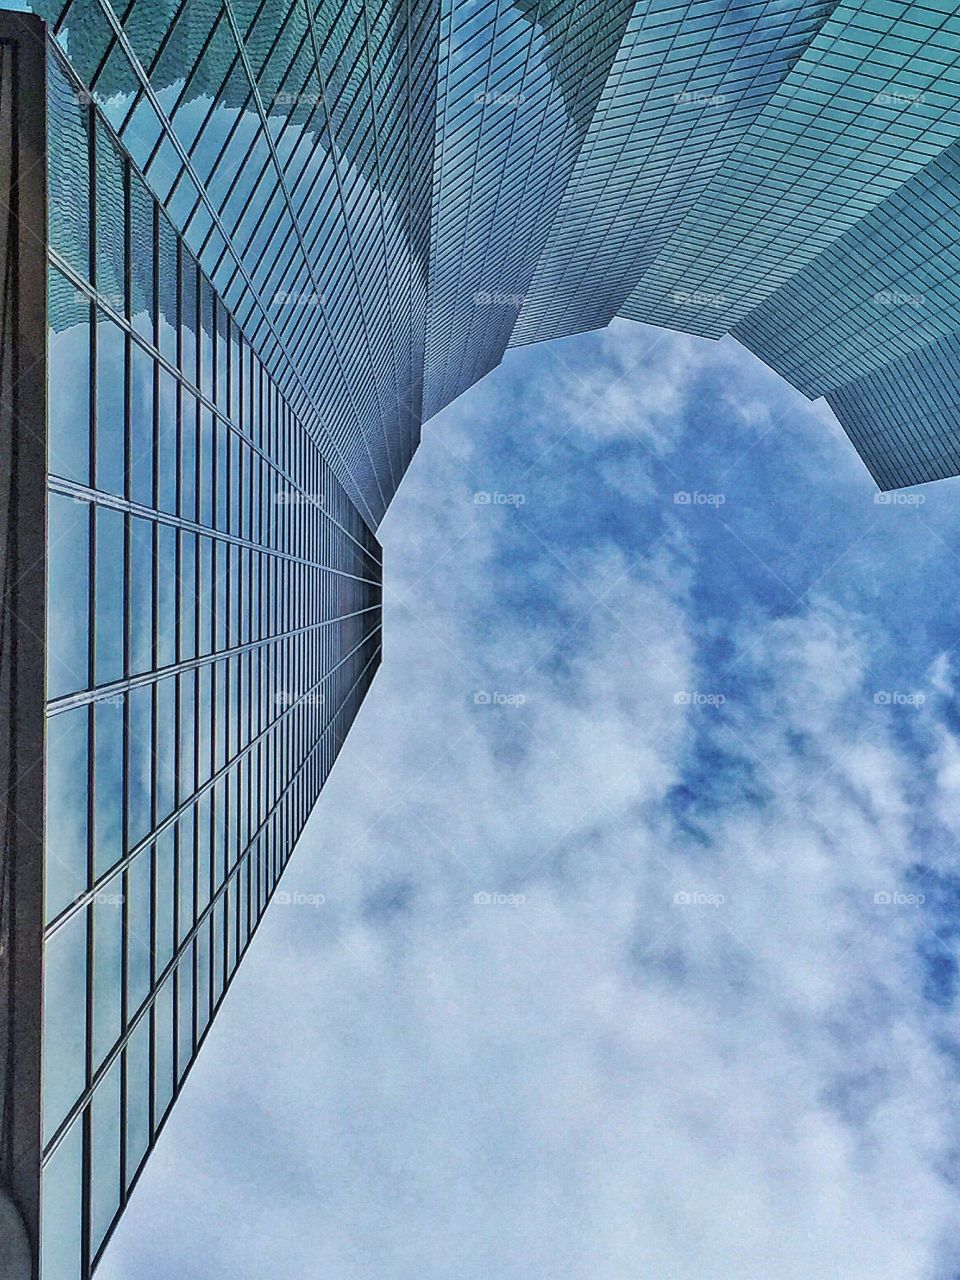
<point x="214" y="607"/>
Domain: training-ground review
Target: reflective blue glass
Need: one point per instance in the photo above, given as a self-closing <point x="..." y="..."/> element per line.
<point x="280" y="237"/>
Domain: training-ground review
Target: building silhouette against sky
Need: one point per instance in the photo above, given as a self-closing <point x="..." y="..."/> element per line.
<point x="251" y="247"/>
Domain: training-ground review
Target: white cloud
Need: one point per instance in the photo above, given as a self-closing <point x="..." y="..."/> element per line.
<point x="599" y="1081"/>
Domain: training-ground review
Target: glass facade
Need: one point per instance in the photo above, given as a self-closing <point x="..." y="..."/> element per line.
<point x="872" y="100"/>
<point x="275" y="238"/>
<point x="786" y="173"/>
<point x="888" y="286"/>
<point x="386" y="196"/>
<point x="518" y="86"/>
<point x="904" y="419"/>
<point x="213" y="614"/>
<point x="291" y="145"/>
<point x="687" y="84"/>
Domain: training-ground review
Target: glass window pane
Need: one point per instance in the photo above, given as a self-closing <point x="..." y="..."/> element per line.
<point x="111" y="207"/>
<point x="163" y="1047"/>
<point x="141" y="444"/>
<point x="188" y="595"/>
<point x="138" y="912"/>
<point x="68" y="354"/>
<point x="186" y="871"/>
<point x="167" y="444"/>
<point x="186" y="758"/>
<point x="68" y="623"/>
<point x="108" y="782"/>
<point x="165" y="767"/>
<point x="141" y="595"/>
<point x="64" y="1019"/>
<point x="108" y="654"/>
<point x="62" y="1213"/>
<point x="105" y="1148"/>
<point x="111" y="393"/>
<point x="189" y="321"/>
<point x="68" y="171"/>
<point x="137" y="1066"/>
<point x="141" y="259"/>
<point x="206" y="467"/>
<point x="67" y="788"/>
<point x="167" y="272"/>
<point x="107" y="967"/>
<point x="164" y="918"/>
<point x="188" y="456"/>
<point x="166" y="595"/>
<point x="205" y="595"/>
<point x="185" y="1012"/>
<point x="204" y="975"/>
<point x="204" y="728"/>
<point x="141" y="133"/>
<point x="139" y="764"/>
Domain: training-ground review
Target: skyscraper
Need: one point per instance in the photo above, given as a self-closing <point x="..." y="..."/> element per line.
<point x="251" y="247"/>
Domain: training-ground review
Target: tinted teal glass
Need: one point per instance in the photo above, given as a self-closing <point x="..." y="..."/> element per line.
<point x="155" y="565"/>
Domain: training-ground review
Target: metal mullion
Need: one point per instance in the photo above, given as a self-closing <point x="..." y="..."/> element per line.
<point x="212" y="857"/>
<point x="207" y="928"/>
<point x="215" y="425"/>
<point x="176" y="824"/>
<point x="231" y="791"/>
<point x="151" y="1028"/>
<point x="195" y="372"/>
<point x="86" y="1115"/>
<point x="234" y="394"/>
<point x="124" y="873"/>
<point x="178" y="484"/>
<point x="174" y="988"/>
<point x="237" y="903"/>
<point x="155" y="321"/>
<point x="127" y="351"/>
<point x="191" y="945"/>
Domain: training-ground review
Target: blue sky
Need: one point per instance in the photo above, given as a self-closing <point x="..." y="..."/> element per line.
<point x="679" y="699"/>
